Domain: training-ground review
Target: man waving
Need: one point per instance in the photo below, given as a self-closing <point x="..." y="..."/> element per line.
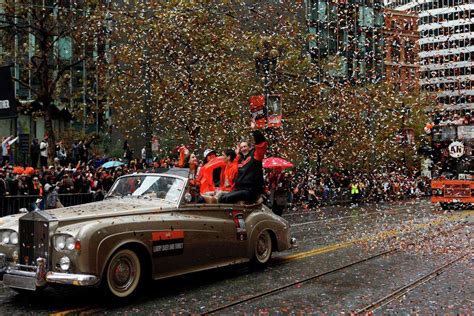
<point x="249" y="182"/>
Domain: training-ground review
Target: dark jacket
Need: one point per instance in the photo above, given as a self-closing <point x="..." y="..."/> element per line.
<point x="35" y="148"/>
<point x="250" y="175"/>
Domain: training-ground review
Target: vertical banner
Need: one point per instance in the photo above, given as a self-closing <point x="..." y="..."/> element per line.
<point x="7" y="93"/>
<point x="155" y="144"/>
<point x="257" y="105"/>
<point x="274" y="110"/>
<point x="409" y="136"/>
<point x="24" y="143"/>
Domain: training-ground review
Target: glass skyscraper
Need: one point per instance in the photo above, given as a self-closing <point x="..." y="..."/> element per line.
<point x="346" y="38"/>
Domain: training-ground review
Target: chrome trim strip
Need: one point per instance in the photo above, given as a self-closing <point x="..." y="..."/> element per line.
<point x="72" y="279"/>
<point x="30" y="274"/>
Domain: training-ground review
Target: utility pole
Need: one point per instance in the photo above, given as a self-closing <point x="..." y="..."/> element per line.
<point x="147" y="97"/>
<point x="266" y="60"/>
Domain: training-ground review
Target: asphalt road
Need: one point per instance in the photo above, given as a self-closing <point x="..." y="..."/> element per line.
<point x="420" y="237"/>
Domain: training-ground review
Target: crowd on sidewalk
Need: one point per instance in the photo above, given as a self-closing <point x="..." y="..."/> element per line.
<point x="314" y="189"/>
<point x="76" y="171"/>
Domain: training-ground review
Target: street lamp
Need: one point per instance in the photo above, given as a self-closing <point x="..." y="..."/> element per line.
<point x="266" y="60"/>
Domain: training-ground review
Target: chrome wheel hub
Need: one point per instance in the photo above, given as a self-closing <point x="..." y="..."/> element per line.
<point x="122" y="273"/>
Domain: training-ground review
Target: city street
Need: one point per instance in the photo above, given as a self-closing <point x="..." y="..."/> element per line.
<point x="396" y="257"/>
<point x="196" y="157"/>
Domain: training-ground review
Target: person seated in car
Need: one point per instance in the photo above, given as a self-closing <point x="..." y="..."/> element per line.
<point x="227" y="165"/>
<point x="230" y="171"/>
<point x="189" y="160"/>
<point x="206" y="180"/>
<point x="249" y="183"/>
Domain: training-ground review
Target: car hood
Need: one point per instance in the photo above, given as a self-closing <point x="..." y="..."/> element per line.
<point x="96" y="210"/>
<point x="108" y="208"/>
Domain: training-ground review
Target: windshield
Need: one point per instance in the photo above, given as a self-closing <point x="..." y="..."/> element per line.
<point x="149" y="186"/>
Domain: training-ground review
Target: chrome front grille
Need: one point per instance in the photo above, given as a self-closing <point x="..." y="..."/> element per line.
<point x="34" y="237"/>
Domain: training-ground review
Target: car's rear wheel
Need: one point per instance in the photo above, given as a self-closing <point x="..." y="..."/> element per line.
<point x="262" y="249"/>
<point x="123" y="273"/>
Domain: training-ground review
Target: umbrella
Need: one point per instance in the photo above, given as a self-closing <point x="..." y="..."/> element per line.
<point x="112" y="164"/>
<point x="275" y="162"/>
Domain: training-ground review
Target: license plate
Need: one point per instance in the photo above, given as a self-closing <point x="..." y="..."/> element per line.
<point x="19" y="282"/>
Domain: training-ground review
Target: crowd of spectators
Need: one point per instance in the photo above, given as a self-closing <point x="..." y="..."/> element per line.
<point x="313" y="189"/>
<point x="74" y="172"/>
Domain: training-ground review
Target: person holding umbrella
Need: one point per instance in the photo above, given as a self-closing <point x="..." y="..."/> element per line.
<point x="278" y="183"/>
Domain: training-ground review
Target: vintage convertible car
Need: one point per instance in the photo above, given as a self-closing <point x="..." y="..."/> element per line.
<point x="147" y="227"/>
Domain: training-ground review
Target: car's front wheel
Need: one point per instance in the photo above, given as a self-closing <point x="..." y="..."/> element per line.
<point x="123" y="273"/>
<point x="262" y="249"/>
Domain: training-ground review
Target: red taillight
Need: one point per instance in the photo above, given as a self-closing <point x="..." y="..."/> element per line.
<point x="77" y="246"/>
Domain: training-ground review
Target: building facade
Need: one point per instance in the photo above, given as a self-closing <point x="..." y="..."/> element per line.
<point x="446" y="49"/>
<point x="78" y="90"/>
<point x="401" y="66"/>
<point x="346" y="38"/>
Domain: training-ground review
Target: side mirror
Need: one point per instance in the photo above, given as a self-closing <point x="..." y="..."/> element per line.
<point x="188" y="197"/>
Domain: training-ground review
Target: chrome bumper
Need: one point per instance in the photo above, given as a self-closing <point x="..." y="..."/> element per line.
<point x="293" y="243"/>
<point x="32" y="277"/>
<point x="72" y="279"/>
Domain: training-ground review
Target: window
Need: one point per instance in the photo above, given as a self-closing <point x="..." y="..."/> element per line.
<point x="322" y="11"/>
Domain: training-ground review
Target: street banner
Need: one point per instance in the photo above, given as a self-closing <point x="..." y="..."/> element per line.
<point x="274" y="110"/>
<point x="257" y="110"/>
<point x="409" y="136"/>
<point x="24" y="143"/>
<point x="7" y="93"/>
<point x="155" y="145"/>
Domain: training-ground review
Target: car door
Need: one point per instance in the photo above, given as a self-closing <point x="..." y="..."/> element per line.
<point x="215" y="237"/>
<point x="197" y="237"/>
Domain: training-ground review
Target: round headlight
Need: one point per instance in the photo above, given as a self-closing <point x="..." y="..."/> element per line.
<point x="64" y="263"/>
<point x="70" y="243"/>
<point x="14" y="238"/>
<point x="6" y="237"/>
<point x="60" y="242"/>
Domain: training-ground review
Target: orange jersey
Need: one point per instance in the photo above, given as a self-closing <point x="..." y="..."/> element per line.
<point x="228" y="176"/>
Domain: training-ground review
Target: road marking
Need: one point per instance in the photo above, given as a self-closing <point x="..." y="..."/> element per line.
<point x="69" y="311"/>
<point x="316" y="251"/>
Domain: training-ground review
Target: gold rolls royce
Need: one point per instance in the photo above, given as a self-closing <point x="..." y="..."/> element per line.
<point x="147" y="227"/>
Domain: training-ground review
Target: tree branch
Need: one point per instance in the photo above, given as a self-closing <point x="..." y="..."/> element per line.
<point x="64" y="69"/>
<point x="24" y="84"/>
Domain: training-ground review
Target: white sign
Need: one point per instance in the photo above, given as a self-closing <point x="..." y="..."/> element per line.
<point x="456" y="149"/>
<point x="155" y="145"/>
<point x="4" y="104"/>
<point x="466" y="132"/>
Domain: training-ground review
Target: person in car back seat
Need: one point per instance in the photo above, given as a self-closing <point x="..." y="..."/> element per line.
<point x="249" y="183"/>
<point x="230" y="171"/>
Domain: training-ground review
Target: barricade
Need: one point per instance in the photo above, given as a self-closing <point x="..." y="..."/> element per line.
<point x="334" y="196"/>
<point x="10" y="205"/>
